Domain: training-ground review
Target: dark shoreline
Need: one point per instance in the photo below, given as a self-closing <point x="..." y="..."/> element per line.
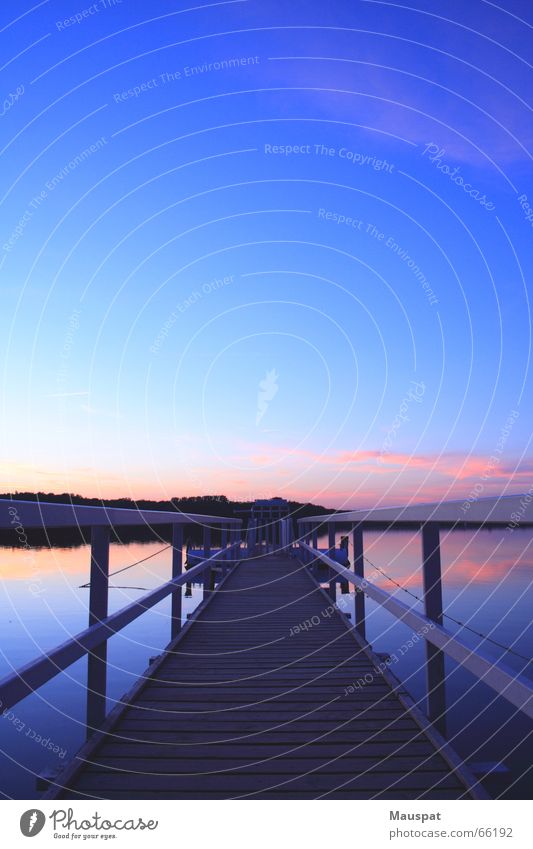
<point x="213" y="505"/>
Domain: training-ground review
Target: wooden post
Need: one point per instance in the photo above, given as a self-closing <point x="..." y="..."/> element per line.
<point x="207" y="542"/>
<point x="314" y="544"/>
<point x="331" y="551"/>
<point x="98" y="607"/>
<point x="177" y="569"/>
<point x="309" y="539"/>
<point x="234" y="537"/>
<point x="345" y="586"/>
<point x="435" y="670"/>
<point x="302" y="537"/>
<point x="252" y="536"/>
<point x="359" y="570"/>
<point x="206" y="575"/>
<point x="331" y="540"/>
<point x="207" y="582"/>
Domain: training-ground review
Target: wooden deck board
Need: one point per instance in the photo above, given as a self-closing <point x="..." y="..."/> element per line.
<point x="246" y="705"/>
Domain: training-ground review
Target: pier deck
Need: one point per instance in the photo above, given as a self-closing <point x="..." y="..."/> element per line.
<point x="247" y="703"/>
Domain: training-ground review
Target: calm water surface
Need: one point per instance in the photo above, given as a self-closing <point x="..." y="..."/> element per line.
<point x="487" y="584"/>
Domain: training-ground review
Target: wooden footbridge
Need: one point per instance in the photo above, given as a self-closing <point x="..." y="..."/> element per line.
<point x="268" y="690"/>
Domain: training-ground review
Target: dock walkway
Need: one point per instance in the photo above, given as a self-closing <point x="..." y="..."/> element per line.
<point x="258" y="698"/>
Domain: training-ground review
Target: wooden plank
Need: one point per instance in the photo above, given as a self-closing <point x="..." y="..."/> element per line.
<point x="303" y="693"/>
<point x="269" y="716"/>
<point x="341" y="689"/>
<point x="372" y="734"/>
<point x="245" y="752"/>
<point x="207" y="732"/>
<point x="292" y="764"/>
<point x="281" y="794"/>
<point x="232" y="783"/>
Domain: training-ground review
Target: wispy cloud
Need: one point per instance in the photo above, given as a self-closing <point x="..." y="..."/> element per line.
<point x="469" y="112"/>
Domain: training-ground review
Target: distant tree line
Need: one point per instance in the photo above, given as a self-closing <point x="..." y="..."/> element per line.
<point x="213" y="505"/>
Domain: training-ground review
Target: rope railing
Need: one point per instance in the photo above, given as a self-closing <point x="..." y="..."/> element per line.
<point x="131" y="565"/>
<point x="514" y="687"/>
<point x="22" y="682"/>
<point x="508" y="649"/>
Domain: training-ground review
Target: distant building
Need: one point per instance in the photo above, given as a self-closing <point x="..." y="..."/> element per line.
<point x="269" y="509"/>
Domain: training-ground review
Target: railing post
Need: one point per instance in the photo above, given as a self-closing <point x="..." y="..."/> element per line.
<point x="435" y="669"/>
<point x="224" y="540"/>
<point x="251" y="536"/>
<point x="359" y="570"/>
<point x="307" y="538"/>
<point x="345" y="586"/>
<point x="207" y="582"/>
<point x="206" y="575"/>
<point x="313" y="541"/>
<point x="98" y="608"/>
<point x="302" y="534"/>
<point x="331" y="540"/>
<point x="331" y="553"/>
<point x="207" y="542"/>
<point x="177" y="569"/>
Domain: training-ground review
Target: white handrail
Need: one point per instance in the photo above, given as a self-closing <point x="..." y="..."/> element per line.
<point x="42" y="669"/>
<point x="515" y="688"/>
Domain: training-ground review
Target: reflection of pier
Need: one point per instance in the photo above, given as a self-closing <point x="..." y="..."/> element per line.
<point x="267" y="690"/>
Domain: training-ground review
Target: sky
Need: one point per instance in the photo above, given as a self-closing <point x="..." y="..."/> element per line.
<point x="259" y="248"/>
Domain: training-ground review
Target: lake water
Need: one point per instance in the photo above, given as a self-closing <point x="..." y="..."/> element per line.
<point x="487" y="584"/>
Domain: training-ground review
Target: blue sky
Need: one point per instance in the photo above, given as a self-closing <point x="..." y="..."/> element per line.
<point x="199" y="200"/>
